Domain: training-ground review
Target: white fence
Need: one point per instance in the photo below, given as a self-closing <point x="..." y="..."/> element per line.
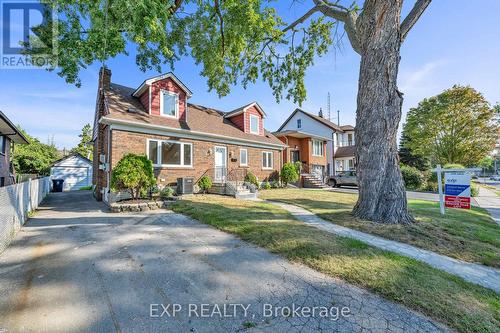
<point x="16" y="201"/>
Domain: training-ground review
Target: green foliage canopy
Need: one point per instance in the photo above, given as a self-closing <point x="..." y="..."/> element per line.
<point x="230" y="39"/>
<point x="85" y="147"/>
<point x="133" y="173"/>
<point x="35" y="157"/>
<point x="456" y="126"/>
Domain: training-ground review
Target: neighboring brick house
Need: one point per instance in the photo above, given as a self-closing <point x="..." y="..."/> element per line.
<point x="323" y="147"/>
<point x="9" y="135"/>
<point x="181" y="139"/>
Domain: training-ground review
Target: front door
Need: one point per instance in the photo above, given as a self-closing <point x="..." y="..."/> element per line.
<point x="220" y="164"/>
<point x="295" y="156"/>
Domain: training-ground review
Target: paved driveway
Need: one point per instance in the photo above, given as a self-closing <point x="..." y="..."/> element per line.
<point x="76" y="268"/>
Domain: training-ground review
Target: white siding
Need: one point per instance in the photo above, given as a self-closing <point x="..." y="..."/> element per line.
<point x="76" y="172"/>
<point x="310" y="125"/>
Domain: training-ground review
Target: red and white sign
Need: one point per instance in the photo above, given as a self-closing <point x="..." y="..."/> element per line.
<point x="452" y="201"/>
<point x="457" y="190"/>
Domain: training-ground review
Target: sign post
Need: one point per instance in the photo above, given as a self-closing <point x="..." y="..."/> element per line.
<point x="456" y="189"/>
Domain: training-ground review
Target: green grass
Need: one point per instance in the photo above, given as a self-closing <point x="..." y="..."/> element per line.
<point x="469" y="235"/>
<point x="446" y="298"/>
<point x="85" y="188"/>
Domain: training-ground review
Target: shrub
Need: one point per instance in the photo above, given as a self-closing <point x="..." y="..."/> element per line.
<point x="275" y="184"/>
<point x="289" y="173"/>
<point x="474" y="190"/>
<point x="205" y="183"/>
<point x="412" y="177"/>
<point x="298" y="166"/>
<point x="167" y="192"/>
<point x="133" y="173"/>
<point x="252" y="179"/>
<point x="266" y="186"/>
<point x="453" y="166"/>
<point x="430" y="186"/>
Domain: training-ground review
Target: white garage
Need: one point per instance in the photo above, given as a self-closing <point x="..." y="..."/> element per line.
<point x="76" y="171"/>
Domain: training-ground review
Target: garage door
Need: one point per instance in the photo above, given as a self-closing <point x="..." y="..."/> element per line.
<point x="74" y="178"/>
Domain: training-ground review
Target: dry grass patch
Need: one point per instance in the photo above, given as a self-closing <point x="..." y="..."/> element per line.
<point x="471" y="236"/>
<point x="446" y="298"/>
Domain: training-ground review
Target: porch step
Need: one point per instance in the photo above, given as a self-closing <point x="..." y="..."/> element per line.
<point x="311" y="181"/>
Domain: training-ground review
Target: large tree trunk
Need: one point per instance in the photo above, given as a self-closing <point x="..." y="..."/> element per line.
<point x="382" y="195"/>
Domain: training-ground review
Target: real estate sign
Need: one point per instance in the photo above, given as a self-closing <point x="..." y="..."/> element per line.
<point x="457" y="190"/>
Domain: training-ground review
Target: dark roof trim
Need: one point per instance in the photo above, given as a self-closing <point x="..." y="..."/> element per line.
<point x="17" y="136"/>
<point x="168" y="75"/>
<point x="242" y="109"/>
<point x="71" y="155"/>
<point x="332" y="125"/>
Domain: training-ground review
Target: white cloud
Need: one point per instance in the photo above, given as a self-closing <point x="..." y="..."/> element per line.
<point x="418" y="79"/>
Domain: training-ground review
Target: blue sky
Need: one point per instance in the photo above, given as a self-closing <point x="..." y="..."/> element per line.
<point x="455" y="42"/>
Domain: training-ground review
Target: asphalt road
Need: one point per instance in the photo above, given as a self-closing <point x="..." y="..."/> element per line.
<point x="76" y="268"/>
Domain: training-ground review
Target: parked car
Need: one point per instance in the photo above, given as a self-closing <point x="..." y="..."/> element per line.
<point x="495" y="177"/>
<point x="343" y="178"/>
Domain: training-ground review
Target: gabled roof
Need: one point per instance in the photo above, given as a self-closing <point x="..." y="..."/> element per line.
<point x="347" y="127"/>
<point x="168" y="75"/>
<point x="72" y="155"/>
<point x="201" y="119"/>
<point x="324" y="121"/>
<point x="10" y="130"/>
<point x="244" y="108"/>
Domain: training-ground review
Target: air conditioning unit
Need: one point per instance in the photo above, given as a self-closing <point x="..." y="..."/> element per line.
<point x="102" y="158"/>
<point x="185" y="185"/>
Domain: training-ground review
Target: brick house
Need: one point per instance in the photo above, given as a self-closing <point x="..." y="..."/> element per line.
<point x="322" y="146"/>
<point x="9" y="135"/>
<point x="180" y="138"/>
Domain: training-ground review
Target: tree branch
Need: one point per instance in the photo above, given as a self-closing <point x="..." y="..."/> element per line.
<point x="348" y="17"/>
<point x="221" y="22"/>
<point x="302" y="18"/>
<point x="412" y="17"/>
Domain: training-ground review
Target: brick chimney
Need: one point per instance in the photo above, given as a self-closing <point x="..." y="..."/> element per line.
<point x="104" y="78"/>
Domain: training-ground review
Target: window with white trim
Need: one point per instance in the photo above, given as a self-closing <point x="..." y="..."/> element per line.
<point x="317" y="148"/>
<point x="243" y="157"/>
<point x="3" y="144"/>
<point x="267" y="160"/>
<point x="170" y="153"/>
<point x="254" y="124"/>
<point x="169" y="104"/>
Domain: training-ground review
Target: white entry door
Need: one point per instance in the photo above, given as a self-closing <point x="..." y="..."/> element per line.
<point x="220" y="164"/>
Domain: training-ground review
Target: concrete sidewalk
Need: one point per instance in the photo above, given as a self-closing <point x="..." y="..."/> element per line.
<point x="490" y="201"/>
<point x="76" y="268"/>
<point x="488" y="277"/>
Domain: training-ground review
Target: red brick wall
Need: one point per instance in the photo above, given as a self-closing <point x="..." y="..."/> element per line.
<point x="128" y="142"/>
<point x="169" y="85"/>
<point x="144" y="99"/>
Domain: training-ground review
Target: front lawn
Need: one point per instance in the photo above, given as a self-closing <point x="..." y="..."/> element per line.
<point x="444" y="297"/>
<point x="467" y="235"/>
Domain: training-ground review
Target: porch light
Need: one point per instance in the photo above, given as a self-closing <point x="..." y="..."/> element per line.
<point x="209" y="151"/>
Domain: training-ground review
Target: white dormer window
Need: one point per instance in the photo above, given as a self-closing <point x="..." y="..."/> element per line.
<point x="254" y="124"/>
<point x="169" y="104"/>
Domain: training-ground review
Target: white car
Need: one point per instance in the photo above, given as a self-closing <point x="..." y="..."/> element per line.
<point x="495" y="177"/>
